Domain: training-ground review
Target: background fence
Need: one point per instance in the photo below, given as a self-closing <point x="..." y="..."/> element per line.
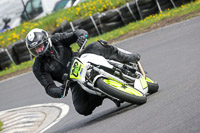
<point x="96" y="24"/>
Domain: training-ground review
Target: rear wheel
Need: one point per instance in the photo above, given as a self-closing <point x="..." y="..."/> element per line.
<point x="123" y="92"/>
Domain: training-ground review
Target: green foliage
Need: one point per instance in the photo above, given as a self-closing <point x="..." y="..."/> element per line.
<point x="14" y="67"/>
<point x="50" y="22"/>
<point x="1" y="125"/>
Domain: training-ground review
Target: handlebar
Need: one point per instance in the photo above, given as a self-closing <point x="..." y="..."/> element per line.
<point x="82" y="47"/>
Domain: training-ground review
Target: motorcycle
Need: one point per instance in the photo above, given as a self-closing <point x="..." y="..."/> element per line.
<point x="111" y="79"/>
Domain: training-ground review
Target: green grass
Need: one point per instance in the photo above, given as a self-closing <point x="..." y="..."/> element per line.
<point x="1" y="125"/>
<point x="138" y="26"/>
<point x="149" y="21"/>
<point x="14" y="68"/>
<point x="50" y="22"/>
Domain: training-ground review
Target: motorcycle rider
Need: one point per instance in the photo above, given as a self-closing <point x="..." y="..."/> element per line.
<point x="53" y="56"/>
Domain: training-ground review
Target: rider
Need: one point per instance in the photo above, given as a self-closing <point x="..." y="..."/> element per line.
<point x="53" y="55"/>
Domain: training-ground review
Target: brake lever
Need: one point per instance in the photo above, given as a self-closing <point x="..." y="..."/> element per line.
<point x="82" y="47"/>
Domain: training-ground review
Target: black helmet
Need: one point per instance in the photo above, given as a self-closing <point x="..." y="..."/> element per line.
<point x="38" y="42"/>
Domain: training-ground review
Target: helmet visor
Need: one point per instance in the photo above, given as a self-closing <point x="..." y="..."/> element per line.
<point x="40" y="49"/>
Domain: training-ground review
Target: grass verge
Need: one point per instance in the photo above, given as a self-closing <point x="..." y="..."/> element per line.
<point x="1" y="125"/>
<point x="149" y="23"/>
<point x="14" y="67"/>
<point x="50" y="22"/>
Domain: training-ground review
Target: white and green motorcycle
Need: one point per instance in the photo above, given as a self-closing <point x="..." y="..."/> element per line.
<point x="108" y="78"/>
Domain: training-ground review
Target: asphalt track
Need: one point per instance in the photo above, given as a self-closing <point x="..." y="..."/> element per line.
<point x="170" y="55"/>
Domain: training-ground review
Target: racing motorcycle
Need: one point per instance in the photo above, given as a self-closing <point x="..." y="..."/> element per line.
<point x="111" y="79"/>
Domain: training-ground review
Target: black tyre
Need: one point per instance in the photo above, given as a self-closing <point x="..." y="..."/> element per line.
<point x="110" y="26"/>
<point x="93" y="32"/>
<point x="128" y="15"/>
<point x="128" y="20"/>
<point x="144" y="2"/>
<point x="13" y="54"/>
<point x="178" y="3"/>
<point x="20" y="46"/>
<point x="123" y="92"/>
<point x="147" y="6"/>
<point x="163" y="2"/>
<point x="88" y="20"/>
<point x="25" y="56"/>
<point x="148" y="12"/>
<point x="4" y="58"/>
<point x="5" y="64"/>
<point x="152" y="86"/>
<point x="167" y="6"/>
<point x="108" y="14"/>
<point x="132" y="5"/>
<point x="90" y="25"/>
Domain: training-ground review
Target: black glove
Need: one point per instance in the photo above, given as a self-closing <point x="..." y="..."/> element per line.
<point x="56" y="92"/>
<point x="81" y="40"/>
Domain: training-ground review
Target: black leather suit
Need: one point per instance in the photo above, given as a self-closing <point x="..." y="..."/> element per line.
<point x="51" y="67"/>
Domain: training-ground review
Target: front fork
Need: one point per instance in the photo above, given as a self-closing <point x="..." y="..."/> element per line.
<point x="141" y="69"/>
<point x="143" y="73"/>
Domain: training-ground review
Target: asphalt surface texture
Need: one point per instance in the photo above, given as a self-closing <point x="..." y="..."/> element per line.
<point x="170" y="55"/>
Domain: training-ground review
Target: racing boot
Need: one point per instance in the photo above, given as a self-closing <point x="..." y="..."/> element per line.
<point x="126" y="57"/>
<point x="117" y="54"/>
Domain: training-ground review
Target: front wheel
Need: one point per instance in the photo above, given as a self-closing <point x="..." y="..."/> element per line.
<point x="123" y="92"/>
<point x="152" y="86"/>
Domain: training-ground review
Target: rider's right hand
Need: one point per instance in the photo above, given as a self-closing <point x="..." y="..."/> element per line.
<point x="81" y="40"/>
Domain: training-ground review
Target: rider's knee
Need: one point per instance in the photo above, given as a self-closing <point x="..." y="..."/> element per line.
<point x="91" y="48"/>
<point x="83" y="110"/>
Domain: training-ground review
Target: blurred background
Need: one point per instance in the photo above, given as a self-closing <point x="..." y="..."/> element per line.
<point x="13" y="12"/>
<point x="11" y="9"/>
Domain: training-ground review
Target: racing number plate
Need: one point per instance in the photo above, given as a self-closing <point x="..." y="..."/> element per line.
<point x="76" y="69"/>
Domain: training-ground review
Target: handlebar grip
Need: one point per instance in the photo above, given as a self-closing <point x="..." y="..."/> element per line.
<point x="82" y="47"/>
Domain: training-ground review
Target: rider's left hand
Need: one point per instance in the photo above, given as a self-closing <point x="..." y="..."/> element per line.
<point x="81" y="40"/>
<point x="64" y="91"/>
